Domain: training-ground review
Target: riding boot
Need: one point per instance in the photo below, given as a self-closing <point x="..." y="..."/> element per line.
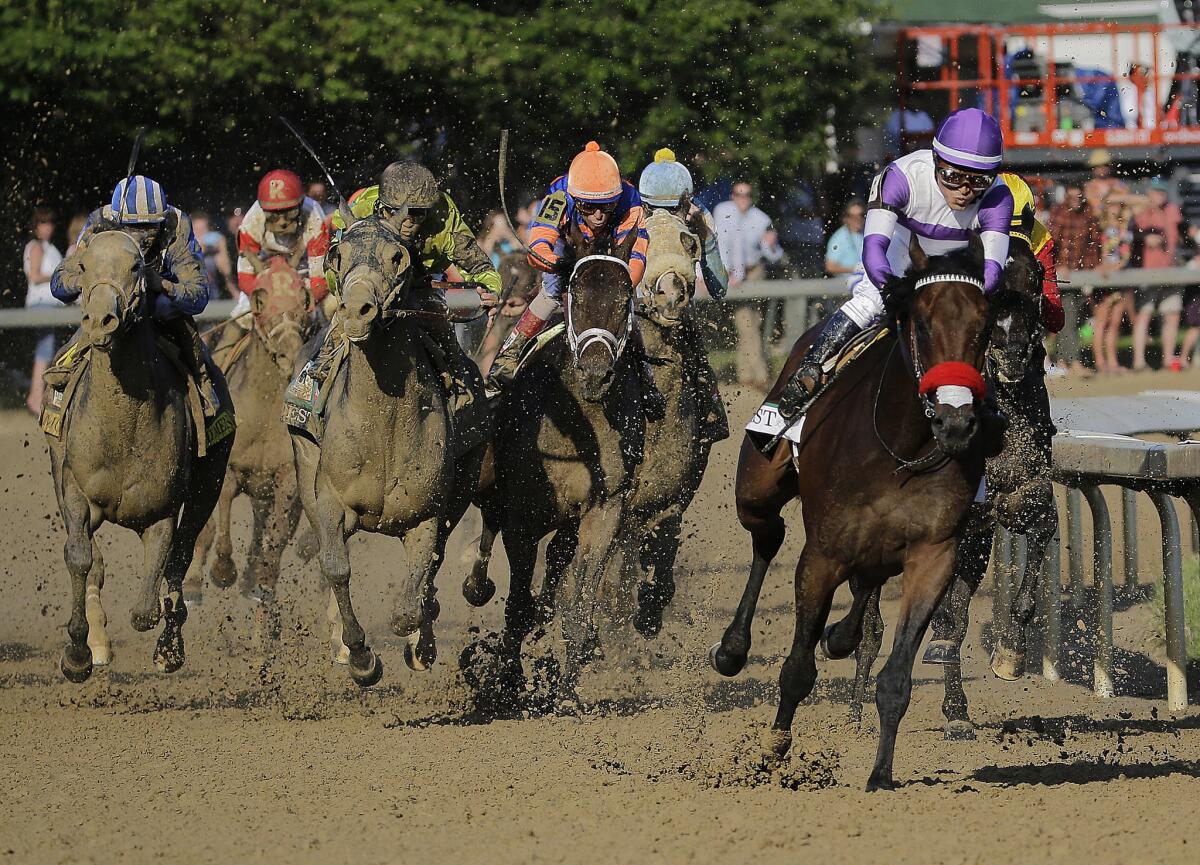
<point x="508" y="359"/>
<point x="807" y="378"/>
<point x="182" y="331"/>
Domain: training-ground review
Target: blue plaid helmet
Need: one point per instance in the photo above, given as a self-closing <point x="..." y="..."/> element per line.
<point x="139" y="200"/>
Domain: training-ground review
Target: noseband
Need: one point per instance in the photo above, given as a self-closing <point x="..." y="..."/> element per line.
<point x="580" y="342"/>
<point x="130" y="297"/>
<point x="950" y="373"/>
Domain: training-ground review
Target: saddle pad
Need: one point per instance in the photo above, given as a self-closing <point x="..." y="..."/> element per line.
<point x="767" y="420"/>
<point x="305" y="399"/>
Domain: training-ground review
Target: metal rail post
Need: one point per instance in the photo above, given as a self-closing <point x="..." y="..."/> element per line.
<point x="1177" y="697"/>
<point x="1067" y="343"/>
<point x="1075" y="544"/>
<point x="1050" y="599"/>
<point x="1129" y="536"/>
<point x="1103" y="584"/>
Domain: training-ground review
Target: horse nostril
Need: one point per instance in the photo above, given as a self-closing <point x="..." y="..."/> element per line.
<point x="365" y="309"/>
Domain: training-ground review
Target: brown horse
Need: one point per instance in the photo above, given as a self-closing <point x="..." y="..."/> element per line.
<point x="258" y="365"/>
<point x="126" y="454"/>
<point x="1020" y="497"/>
<point x="387" y="459"/>
<point x="569" y="437"/>
<point x="887" y="470"/>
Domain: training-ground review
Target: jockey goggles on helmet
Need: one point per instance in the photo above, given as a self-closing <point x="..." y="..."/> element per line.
<point x="952" y="178"/>
<point x="589" y="207"/>
<point x="416" y="215"/>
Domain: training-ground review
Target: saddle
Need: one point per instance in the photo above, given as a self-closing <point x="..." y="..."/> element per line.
<point x="769" y="422"/>
<point x="63" y="379"/>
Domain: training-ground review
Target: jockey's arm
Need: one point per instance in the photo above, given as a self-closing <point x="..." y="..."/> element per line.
<point x="184" y="262"/>
<point x="635" y="220"/>
<point x="712" y="268"/>
<point x="457" y="243"/>
<point x="545" y="231"/>
<point x="889" y="197"/>
<point x="316" y="240"/>
<point x="66" y="283"/>
<point x="995" y="219"/>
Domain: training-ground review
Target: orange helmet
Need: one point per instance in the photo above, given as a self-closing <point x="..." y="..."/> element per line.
<point x="279" y="190"/>
<point x="594" y="176"/>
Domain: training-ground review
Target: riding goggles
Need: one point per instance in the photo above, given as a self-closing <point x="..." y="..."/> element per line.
<point x="955" y="179"/>
<point x="588" y="208"/>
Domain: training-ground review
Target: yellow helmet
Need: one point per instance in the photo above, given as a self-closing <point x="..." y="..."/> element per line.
<point x="1023" y="207"/>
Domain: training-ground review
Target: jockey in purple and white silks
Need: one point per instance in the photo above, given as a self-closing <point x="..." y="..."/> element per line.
<point x="942" y="197"/>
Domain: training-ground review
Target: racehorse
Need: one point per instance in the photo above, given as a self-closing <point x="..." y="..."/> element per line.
<point x="569" y="436"/>
<point x="676" y="452"/>
<point x="386" y="462"/>
<point x="888" y="465"/>
<point x="126" y="453"/>
<point x="258" y="365"/>
<point x="1020" y="497"/>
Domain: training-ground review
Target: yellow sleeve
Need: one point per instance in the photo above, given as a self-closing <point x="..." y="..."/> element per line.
<point x="456" y="244"/>
<point x="1039" y="236"/>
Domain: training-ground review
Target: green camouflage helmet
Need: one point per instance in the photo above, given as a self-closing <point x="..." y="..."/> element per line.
<point x="407" y="184"/>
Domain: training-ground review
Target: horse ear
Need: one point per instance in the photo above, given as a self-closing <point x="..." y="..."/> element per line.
<point x="624" y="249"/>
<point x="348" y="217"/>
<point x="258" y="300"/>
<point x="920" y="260"/>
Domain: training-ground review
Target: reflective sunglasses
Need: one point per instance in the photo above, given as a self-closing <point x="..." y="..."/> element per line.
<point x="588" y="208"/>
<point x="955" y="179"/>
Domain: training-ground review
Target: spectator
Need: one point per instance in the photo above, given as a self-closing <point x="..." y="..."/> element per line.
<point x="318" y="193"/>
<point x="233" y="225"/>
<point x="1155" y="241"/>
<point x="40" y="259"/>
<point x="525" y="216"/>
<point x="78" y="221"/>
<point x="1110" y="305"/>
<point x="1078" y="239"/>
<point x="1191" y="317"/>
<point x="216" y="255"/>
<point x="1102" y="183"/>
<point x="496" y="239"/>
<point x="748" y="242"/>
<point x="843" y="254"/>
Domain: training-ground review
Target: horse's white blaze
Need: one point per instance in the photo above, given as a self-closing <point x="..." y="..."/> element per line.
<point x="955" y="395"/>
<point x="1005" y="324"/>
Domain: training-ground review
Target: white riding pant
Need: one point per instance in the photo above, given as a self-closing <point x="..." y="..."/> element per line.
<point x="240" y="308"/>
<point x="866" y="306"/>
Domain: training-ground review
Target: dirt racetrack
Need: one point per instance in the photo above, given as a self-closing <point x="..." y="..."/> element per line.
<point x="246" y="756"/>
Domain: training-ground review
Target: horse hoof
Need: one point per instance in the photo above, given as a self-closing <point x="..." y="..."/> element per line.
<point x="775" y="743"/>
<point x="941" y="652"/>
<point x="141" y="620"/>
<point x="725" y="663"/>
<point x="341" y="656"/>
<point x="369" y="677"/>
<point x="101" y="653"/>
<point x="419" y="659"/>
<point x="224" y="573"/>
<point x="167" y="662"/>
<point x="193" y="598"/>
<point x="879" y="781"/>
<point x="478" y="592"/>
<point x="828" y="650"/>
<point x="1007" y="664"/>
<point x="77" y="673"/>
<point x="959" y="731"/>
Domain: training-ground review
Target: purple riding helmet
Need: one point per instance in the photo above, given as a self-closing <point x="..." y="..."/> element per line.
<point x="970" y="139"/>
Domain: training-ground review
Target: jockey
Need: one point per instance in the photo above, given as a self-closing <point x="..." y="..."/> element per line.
<point x="164" y="234"/>
<point x="428" y="222"/>
<point x="281" y="222"/>
<point x="1026" y="227"/>
<point x="666" y="184"/>
<point x="943" y="197"/>
<point x="593" y="196"/>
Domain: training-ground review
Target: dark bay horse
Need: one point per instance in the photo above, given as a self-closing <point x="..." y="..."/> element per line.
<point x="386" y="462"/>
<point x="887" y="469"/>
<point x="127" y="454"/>
<point x="1020" y="497"/>
<point x="569" y="436"/>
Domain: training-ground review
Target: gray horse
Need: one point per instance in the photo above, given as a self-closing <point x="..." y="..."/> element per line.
<point x="258" y="365"/>
<point x="126" y="454"/>
<point x="387" y="460"/>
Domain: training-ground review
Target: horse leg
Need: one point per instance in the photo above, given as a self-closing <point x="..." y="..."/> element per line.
<point x="842" y="637"/>
<point x="520" y="610"/>
<point x="950" y="621"/>
<point x="865" y="654"/>
<point x="193" y="582"/>
<point x="97" y="639"/>
<point x="766" y="529"/>
<point x="928" y="569"/>
<point x="156" y="549"/>
<point x="816" y="579"/>
<point x="76" y="661"/>
<point x="597" y="540"/>
<point x="1008" y="659"/>
<point x="478" y="588"/>
<point x="224" y="572"/>
<point x="251" y="583"/>
<point x="416" y="606"/>
<point x="365" y="666"/>
<point x="658" y="557"/>
<point x="559" y="553"/>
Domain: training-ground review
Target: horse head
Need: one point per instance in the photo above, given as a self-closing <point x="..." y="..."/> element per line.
<point x="282" y="306"/>
<point x="114" y="286"/>
<point x="1017" y="312"/>
<point x="671" y="267"/>
<point x="946" y="331"/>
<point x="598" y="309"/>
<point x="373" y="270"/>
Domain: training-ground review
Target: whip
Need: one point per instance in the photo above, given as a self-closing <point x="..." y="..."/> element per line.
<point x="133" y="158"/>
<point x="504" y="206"/>
<point x="304" y="143"/>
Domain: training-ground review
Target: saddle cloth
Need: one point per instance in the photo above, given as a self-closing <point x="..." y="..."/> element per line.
<point x="77" y="357"/>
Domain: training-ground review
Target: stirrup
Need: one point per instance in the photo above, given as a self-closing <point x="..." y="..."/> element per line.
<point x="797" y="396"/>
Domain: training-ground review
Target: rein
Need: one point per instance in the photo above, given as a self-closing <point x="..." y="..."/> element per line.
<point x="580" y="342"/>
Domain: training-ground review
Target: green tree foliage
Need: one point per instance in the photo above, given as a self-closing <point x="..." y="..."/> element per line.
<point x="736" y="88"/>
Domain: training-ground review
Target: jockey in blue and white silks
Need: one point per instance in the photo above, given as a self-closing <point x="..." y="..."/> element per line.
<point x="941" y="197"/>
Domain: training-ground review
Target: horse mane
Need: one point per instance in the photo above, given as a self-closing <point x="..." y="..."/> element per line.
<point x="1022" y="275"/>
<point x="967" y="261"/>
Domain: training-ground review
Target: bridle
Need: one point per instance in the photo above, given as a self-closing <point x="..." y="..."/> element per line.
<point x="132" y="296"/>
<point x="580" y="342"/>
